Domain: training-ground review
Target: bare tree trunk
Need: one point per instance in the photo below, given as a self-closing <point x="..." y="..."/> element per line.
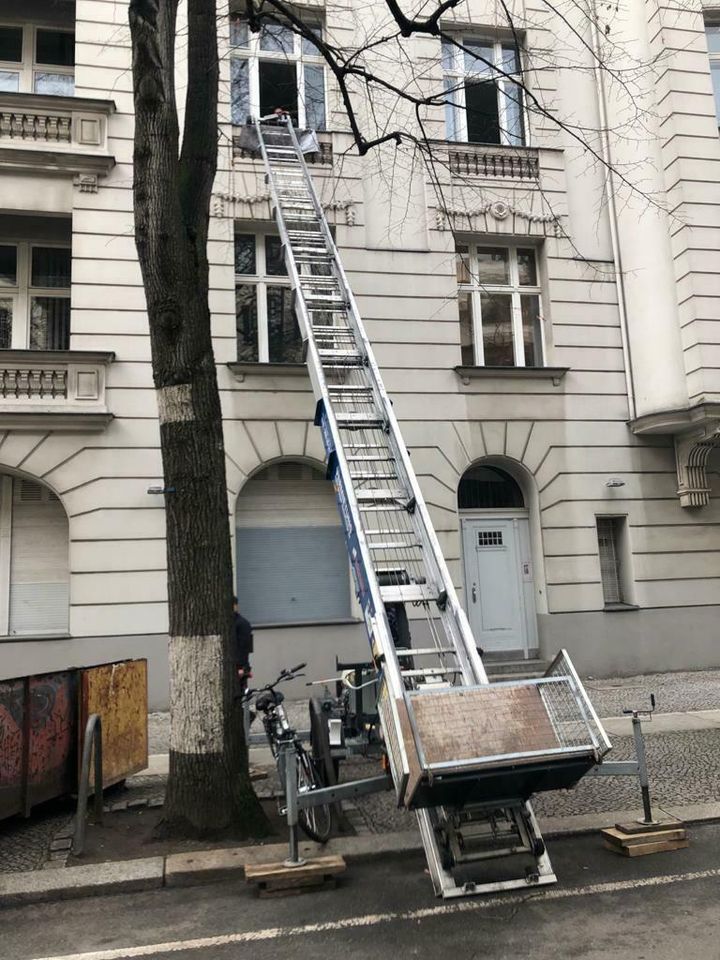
<point x="209" y="791"/>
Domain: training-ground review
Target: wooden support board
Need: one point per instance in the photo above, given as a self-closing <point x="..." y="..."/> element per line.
<point x="662" y="839"/>
<point x="280" y="880"/>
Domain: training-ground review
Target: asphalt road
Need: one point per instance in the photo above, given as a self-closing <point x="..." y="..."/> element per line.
<point x="664" y="907"/>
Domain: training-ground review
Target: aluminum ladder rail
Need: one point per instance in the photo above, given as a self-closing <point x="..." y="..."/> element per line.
<point x="395" y="553"/>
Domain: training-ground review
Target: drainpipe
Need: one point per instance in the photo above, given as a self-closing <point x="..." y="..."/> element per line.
<point x="606" y="152"/>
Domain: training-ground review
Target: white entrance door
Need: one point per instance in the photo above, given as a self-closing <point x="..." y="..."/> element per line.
<point x="498" y="573"/>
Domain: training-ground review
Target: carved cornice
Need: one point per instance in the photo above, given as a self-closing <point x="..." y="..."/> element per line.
<point x="45" y="161"/>
<point x="486" y="216"/>
<point x="218" y="207"/>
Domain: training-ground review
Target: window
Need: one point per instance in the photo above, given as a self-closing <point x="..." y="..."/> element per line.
<point x="499" y="304"/>
<point x="712" y="33"/>
<point x="609" y="533"/>
<point x="34" y="570"/>
<point x="267" y="329"/>
<point x="485" y="487"/>
<point x="37" y="60"/>
<point x="483" y="104"/>
<point x="276" y="68"/>
<point x="292" y="562"/>
<point x="34" y="296"/>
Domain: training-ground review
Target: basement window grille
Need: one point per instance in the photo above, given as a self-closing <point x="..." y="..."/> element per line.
<point x="609" y="533"/>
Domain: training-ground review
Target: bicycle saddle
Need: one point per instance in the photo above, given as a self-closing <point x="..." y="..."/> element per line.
<point x="268" y="700"/>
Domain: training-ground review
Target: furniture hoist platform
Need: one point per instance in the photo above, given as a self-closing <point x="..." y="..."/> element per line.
<point x="465" y="754"/>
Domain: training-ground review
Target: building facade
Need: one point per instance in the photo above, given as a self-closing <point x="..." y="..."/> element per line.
<point x="543" y="298"/>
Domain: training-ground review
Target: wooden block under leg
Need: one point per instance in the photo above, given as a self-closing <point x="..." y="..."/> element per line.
<point x="636" y="827"/>
<point x="643" y="849"/>
<point x="618" y="838"/>
<point x="279" y="879"/>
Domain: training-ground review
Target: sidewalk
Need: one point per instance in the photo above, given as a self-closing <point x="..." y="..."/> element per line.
<point x="682" y="742"/>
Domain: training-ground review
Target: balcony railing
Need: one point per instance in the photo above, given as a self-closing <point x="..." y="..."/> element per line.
<point x="53" y="389"/>
<point x="55" y="133"/>
<point x="492" y="162"/>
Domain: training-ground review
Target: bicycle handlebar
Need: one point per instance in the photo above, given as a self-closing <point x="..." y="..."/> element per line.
<point x="283" y="675"/>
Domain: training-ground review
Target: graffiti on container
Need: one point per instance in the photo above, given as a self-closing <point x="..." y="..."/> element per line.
<point x="11" y="734"/>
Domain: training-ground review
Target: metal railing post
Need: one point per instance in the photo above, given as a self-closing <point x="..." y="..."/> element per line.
<point x="642" y="769"/>
<point x="287" y="757"/>
<point x="93" y="738"/>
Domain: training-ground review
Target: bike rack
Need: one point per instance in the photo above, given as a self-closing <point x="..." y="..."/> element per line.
<point x="93" y="738"/>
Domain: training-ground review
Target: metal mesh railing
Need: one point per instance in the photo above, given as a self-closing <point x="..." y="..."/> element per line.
<point x="576" y="716"/>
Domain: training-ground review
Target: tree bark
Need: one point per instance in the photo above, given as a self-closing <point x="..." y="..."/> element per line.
<point x="209" y="791"/>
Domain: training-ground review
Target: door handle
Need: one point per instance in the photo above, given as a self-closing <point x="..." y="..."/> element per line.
<point x="474" y="593"/>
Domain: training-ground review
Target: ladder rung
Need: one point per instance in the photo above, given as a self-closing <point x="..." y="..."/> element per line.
<point x="367" y="457"/>
<point x="344" y="388"/>
<point x="395" y="545"/>
<point x="429" y="672"/>
<point x="423" y="651"/>
<point x="360" y="421"/>
<point x="408" y="593"/>
<point x="381" y="493"/>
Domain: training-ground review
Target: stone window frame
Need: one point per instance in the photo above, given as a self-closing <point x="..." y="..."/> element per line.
<point x="261" y="280"/>
<point x="29" y="67"/>
<point x="455" y="73"/>
<point x="469" y="284"/>
<point x="22" y="292"/>
<point x="246" y="46"/>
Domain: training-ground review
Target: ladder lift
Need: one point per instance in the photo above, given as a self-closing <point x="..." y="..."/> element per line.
<point x="466" y="755"/>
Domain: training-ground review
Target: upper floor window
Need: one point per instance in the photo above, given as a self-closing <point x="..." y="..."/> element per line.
<point x="500" y="310"/>
<point x="37" y="59"/>
<point x="267" y="329"/>
<point x="34" y="296"/>
<point x="276" y="68"/>
<point x="483" y="104"/>
<point x="712" y="32"/>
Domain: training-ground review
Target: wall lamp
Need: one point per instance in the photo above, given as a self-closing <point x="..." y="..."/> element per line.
<point x="614" y="482"/>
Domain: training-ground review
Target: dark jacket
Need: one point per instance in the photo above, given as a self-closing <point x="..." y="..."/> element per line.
<point x="243" y="641"/>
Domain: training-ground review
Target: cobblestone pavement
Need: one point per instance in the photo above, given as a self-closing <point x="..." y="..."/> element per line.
<point x="25" y="844"/>
<point x="674" y="692"/>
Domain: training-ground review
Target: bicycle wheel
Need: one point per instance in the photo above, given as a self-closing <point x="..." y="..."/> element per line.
<point x="315" y="822"/>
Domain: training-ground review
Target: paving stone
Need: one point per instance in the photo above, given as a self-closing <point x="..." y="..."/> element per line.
<point x="118" y="805"/>
<point x="61" y="843"/>
<point x="138" y="803"/>
<point x="156" y="802"/>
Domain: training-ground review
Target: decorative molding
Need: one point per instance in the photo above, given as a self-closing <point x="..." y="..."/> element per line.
<point x="248" y="368"/>
<point x="218" y="207"/>
<point x="45" y="161"/>
<point x="692" y="451"/>
<point x="555" y="374"/>
<point x="86" y="182"/>
<point x="494" y="210"/>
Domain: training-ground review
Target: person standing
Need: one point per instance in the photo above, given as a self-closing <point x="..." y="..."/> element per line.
<point x="243" y="644"/>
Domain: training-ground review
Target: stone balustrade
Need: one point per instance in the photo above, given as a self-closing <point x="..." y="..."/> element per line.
<point x="492" y="162"/>
<point x="55" y="389"/>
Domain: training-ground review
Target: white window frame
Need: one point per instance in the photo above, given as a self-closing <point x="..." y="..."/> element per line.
<point x="21" y="294"/>
<point x="253" y="54"/>
<point x="515" y="289"/>
<point x="456" y="73"/>
<point x="712" y="19"/>
<point x="29" y="66"/>
<point x="261" y="280"/>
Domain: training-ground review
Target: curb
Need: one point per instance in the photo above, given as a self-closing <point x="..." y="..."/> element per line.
<point x="212" y="866"/>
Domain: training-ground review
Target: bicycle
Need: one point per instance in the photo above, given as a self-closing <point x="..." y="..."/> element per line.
<point x="317" y="821"/>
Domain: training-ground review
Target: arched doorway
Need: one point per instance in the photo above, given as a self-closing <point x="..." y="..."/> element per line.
<point x="34" y="567"/>
<point x="499" y="588"/>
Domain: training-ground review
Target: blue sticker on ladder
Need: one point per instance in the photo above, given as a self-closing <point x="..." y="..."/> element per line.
<point x="362" y="587"/>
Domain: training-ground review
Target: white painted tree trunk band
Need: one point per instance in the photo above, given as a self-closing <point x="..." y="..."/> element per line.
<point x="175" y="403"/>
<point x="196" y="694"/>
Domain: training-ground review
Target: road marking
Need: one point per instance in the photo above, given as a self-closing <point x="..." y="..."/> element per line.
<point x="376" y="919"/>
